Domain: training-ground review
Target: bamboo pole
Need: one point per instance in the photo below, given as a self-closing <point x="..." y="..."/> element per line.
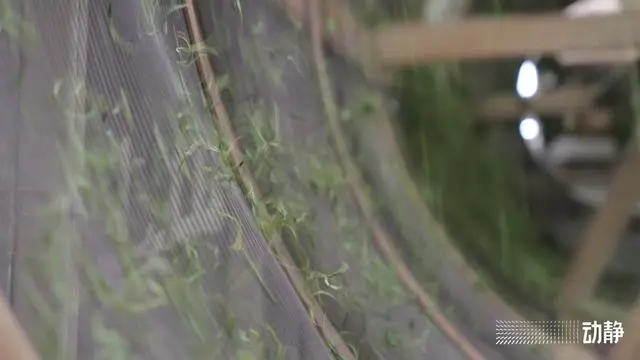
<point x="14" y="344"/>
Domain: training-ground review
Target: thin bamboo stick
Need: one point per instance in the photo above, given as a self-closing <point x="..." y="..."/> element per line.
<point x="14" y="344"/>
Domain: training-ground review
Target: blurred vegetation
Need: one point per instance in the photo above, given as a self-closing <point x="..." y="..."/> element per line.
<point x="465" y="174"/>
<point x="471" y="187"/>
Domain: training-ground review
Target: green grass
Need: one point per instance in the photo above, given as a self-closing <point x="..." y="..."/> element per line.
<point x="473" y="189"/>
<point x="469" y="187"/>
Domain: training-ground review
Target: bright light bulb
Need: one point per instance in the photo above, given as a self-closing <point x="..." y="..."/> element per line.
<point x="529" y="128"/>
<point x="527" y="81"/>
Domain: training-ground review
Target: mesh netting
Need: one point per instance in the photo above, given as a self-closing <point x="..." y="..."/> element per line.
<point x="151" y="249"/>
<point x="140" y="244"/>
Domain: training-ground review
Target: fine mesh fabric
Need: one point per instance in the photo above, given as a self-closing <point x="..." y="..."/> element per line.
<point x="137" y="240"/>
<point x="273" y="96"/>
<point x="152" y="251"/>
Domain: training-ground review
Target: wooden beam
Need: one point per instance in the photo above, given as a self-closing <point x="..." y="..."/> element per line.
<point x="508" y="106"/>
<point x="408" y="44"/>
<point x="600" y="56"/>
<point x="602" y="235"/>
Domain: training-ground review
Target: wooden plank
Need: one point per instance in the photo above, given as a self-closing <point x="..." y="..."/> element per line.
<point x="514" y="36"/>
<point x="602" y="235"/>
<point x="508" y="106"/>
<point x="600" y="56"/>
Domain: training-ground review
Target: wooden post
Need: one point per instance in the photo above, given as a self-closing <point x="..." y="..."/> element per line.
<point x="602" y="235"/>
